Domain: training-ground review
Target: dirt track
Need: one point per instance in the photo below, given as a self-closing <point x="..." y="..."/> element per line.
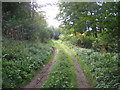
<point x="82" y="81"/>
<point x="42" y="76"/>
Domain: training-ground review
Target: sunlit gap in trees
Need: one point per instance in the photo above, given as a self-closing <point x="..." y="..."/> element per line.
<point x="51" y="10"/>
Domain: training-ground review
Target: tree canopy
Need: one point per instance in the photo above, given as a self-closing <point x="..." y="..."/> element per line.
<point x="22" y="21"/>
<point x="97" y="19"/>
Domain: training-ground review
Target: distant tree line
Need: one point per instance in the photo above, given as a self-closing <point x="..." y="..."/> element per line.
<point x="22" y="21"/>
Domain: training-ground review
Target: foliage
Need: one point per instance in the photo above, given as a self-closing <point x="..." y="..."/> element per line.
<point x="92" y="17"/>
<point x="102" y="70"/>
<point x="21" y="59"/>
<point x="71" y="38"/>
<point x="86" y="24"/>
<point x="85" y="40"/>
<point x="103" y="42"/>
<point x="62" y="74"/>
<point x="81" y="40"/>
<point x="21" y="21"/>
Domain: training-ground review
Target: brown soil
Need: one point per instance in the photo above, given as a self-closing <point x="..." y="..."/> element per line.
<point x="42" y="76"/>
<point x="82" y="81"/>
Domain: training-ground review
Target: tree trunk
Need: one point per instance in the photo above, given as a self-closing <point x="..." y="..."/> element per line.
<point x="94" y="32"/>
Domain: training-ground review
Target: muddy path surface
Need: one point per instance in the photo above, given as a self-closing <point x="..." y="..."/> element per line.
<point x="42" y="76"/>
<point x="82" y="81"/>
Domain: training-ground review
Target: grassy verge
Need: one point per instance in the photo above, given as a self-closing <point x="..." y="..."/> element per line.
<point x="101" y="69"/>
<point x="62" y="74"/>
<point x="21" y="59"/>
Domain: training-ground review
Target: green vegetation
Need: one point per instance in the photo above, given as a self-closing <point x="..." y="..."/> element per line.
<point x="62" y="74"/>
<point x="91" y="24"/>
<point x="26" y="42"/>
<point x="28" y="25"/>
<point x="90" y="30"/>
<point x="21" y="59"/>
<point x="102" y="70"/>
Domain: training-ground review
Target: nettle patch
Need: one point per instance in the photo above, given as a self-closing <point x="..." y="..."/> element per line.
<point x="62" y="74"/>
<point x="19" y="62"/>
<point x="103" y="68"/>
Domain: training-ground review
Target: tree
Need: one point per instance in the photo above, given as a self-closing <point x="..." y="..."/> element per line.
<point x="22" y="21"/>
<point x="97" y="18"/>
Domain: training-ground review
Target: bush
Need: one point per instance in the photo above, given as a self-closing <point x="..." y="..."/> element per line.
<point x="85" y="41"/>
<point x="102" y="70"/>
<point x="105" y="43"/>
<point x="20" y="61"/>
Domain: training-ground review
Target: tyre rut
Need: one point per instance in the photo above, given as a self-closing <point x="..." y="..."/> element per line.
<point x="42" y="76"/>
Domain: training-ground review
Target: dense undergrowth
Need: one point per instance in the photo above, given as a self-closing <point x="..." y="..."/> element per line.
<point x="21" y="59"/>
<point x="62" y="74"/>
<point x="102" y="69"/>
